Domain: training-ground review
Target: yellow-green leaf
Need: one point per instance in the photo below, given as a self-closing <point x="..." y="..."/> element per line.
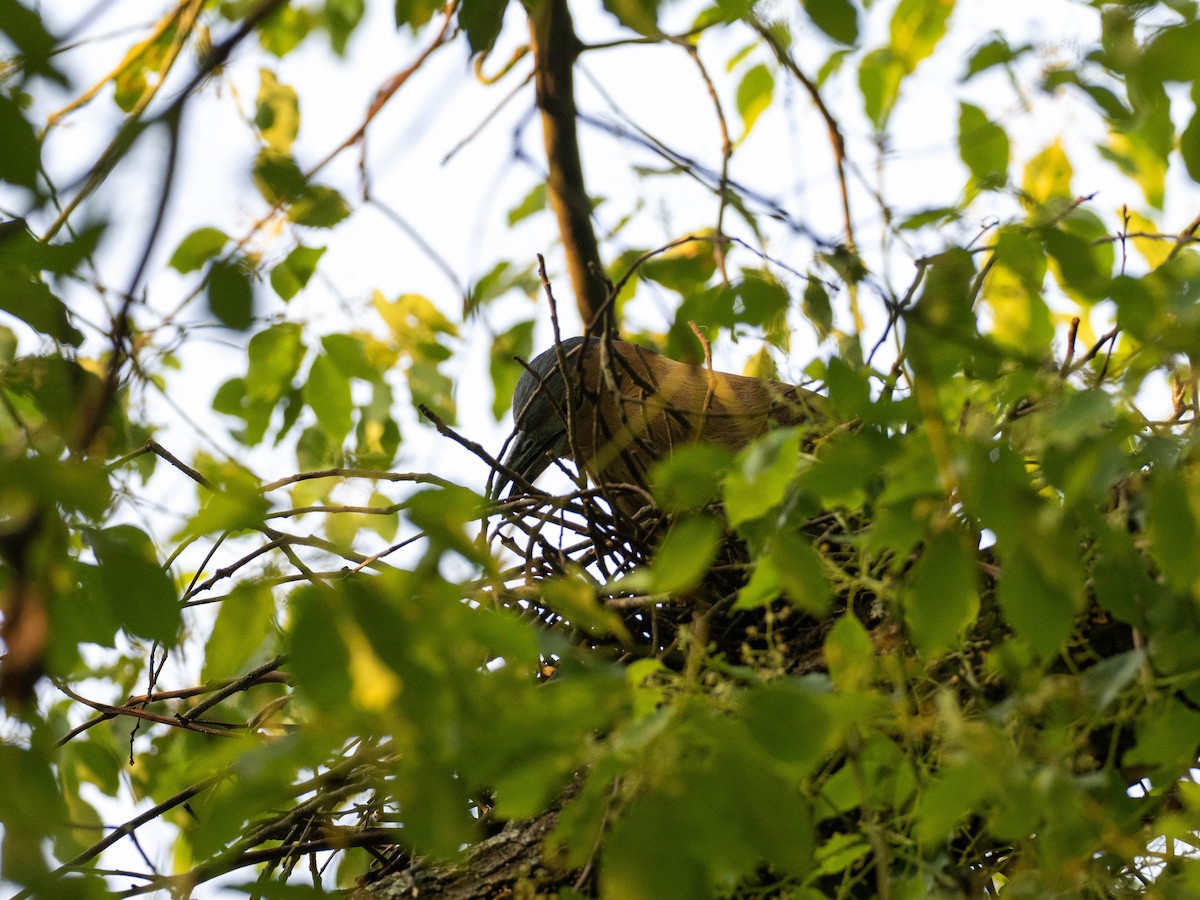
<point x="327" y="391"/>
<point x="754" y="95"/>
<point x="944" y="596"/>
<point x="1048" y="175"/>
<point x="277" y="116"/>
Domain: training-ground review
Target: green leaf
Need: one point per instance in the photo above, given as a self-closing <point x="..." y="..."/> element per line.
<point x="377" y="436"/>
<point x="230" y="296"/>
<point x="685" y="555"/>
<point x="761" y="475"/>
<point x="290" y="276"/>
<point x="318" y="207"/>
<point x="995" y="52"/>
<point x="243" y="624"/>
<point x="1189" y="138"/>
<point x="138" y="591"/>
<point x="499" y="280"/>
<point x="318" y="655"/>
<point x="932" y="215"/>
<point x="816" y="307"/>
<point x="35" y="45"/>
<point x="879" y="77"/>
<point x="791" y="724"/>
<point x="850" y="654"/>
<point x="832" y="66"/>
<point x="943" y="321"/>
<point x="640" y="15"/>
<point x="943" y="599"/>
<point x="277" y="116"/>
<point x="754" y="94"/>
<point x="8" y="345"/>
<point x="505" y="370"/>
<point x="764" y="586"/>
<point x="238" y="509"/>
<point x="684" y="268"/>
<point x="1077" y="264"/>
<point x="30" y="300"/>
<point x="983" y="146"/>
<point x="327" y="391"/>
<point x="341" y="18"/>
<point x="417" y="325"/>
<point x="917" y="27"/>
<point x="444" y="514"/>
<point x="314" y="450"/>
<point x="533" y="202"/>
<point x="1166" y="741"/>
<point x="350" y="356"/>
<point x="21" y="157"/>
<point x="1140" y="160"/>
<point x="145" y="60"/>
<point x="1168" y="56"/>
<point x="840" y="852"/>
<point x="29" y="796"/>
<point x="1174" y="530"/>
<point x="197" y="249"/>
<point x="760" y="300"/>
<point x="41" y="480"/>
<point x="953" y="792"/>
<point x="1040" y="595"/>
<point x="481" y="20"/>
<point x="798" y="569"/>
<point x="277" y="176"/>
<point x="690" y="478"/>
<point x="19" y="249"/>
<point x="847" y="465"/>
<point x="432" y="388"/>
<point x="574" y="597"/>
<point x="764" y="819"/>
<point x="1189" y="147"/>
<point x="415" y="13"/>
<point x="275" y="354"/>
<point x="1048" y="175"/>
<point x="1013" y="290"/>
<point x="283" y="30"/>
<point x="837" y="18"/>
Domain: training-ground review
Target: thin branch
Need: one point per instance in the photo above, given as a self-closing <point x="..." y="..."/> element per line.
<point x="117" y="833"/>
<point x="249" y="679"/>
<point x="726" y="155"/>
<point x="836" y="140"/>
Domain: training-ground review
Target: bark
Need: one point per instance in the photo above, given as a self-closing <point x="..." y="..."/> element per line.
<point x="509" y="864"/>
<point x="555" y="47"/>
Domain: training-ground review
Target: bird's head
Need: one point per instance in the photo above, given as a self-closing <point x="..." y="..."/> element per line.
<point x="540" y="413"/>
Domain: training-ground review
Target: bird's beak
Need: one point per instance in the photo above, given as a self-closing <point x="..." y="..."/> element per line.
<point x="529" y="456"/>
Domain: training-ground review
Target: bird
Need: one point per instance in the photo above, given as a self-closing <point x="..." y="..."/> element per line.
<point x="629" y="407"/>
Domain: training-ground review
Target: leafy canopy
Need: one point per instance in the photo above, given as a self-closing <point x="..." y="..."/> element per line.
<point x="951" y="646"/>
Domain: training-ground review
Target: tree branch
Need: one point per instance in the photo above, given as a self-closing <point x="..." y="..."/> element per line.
<point x="555" y="46"/>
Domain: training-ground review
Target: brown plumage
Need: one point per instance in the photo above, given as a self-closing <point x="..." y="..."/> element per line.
<point x="632" y="406"/>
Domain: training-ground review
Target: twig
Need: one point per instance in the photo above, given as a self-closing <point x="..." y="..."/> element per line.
<point x="836" y="140"/>
<point x="726" y="155"/>
<point x="133" y="711"/>
<point x="388" y="90"/>
<point x="250" y="678"/>
<point x="1185" y="237"/>
<point x="117" y="833"/>
<point x="1072" y="333"/>
<point x="371" y="474"/>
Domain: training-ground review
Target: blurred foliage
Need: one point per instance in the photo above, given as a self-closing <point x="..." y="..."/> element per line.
<point x="950" y="648"/>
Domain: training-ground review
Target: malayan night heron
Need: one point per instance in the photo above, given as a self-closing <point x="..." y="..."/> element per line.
<point x="630" y="407"/>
